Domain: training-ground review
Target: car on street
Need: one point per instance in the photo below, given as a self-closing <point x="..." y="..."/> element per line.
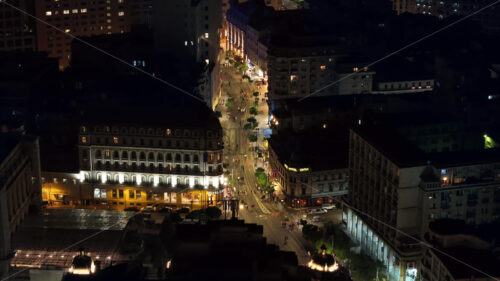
<point x="328" y="206"/>
<point x="318" y="211"/>
<point x="318" y="219"/>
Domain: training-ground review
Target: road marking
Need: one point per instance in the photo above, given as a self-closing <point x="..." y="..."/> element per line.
<point x="262" y="207"/>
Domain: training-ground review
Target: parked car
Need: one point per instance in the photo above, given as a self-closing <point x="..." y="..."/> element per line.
<point x="318" y="211"/>
<point x="328" y="206"/>
<point x="317" y="219"/>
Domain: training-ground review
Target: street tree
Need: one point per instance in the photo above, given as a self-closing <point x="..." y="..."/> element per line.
<point x="256" y="94"/>
<point x="253" y="110"/>
<point x="252" y="138"/>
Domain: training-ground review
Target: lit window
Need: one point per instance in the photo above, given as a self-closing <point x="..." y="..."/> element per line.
<point x="48" y="13"/>
<point x="330" y="59"/>
<point x="121" y="13"/>
<point x="83" y="10"/>
<point x="206" y="34"/>
<point x="207" y="61"/>
<point x="66" y="12"/>
<point x="169" y="132"/>
<point x="108" y="14"/>
<point x="97" y="193"/>
<point x="355" y="69"/>
<point x="107" y="153"/>
<point x="185" y="43"/>
<point x="84" y="139"/>
<point x="323" y="67"/>
<point x="108" y="20"/>
<point x="109" y="26"/>
<point x="293" y="78"/>
<point x="67" y="30"/>
<point x="120" y="1"/>
<point x="115" y="140"/>
<point x="74" y="11"/>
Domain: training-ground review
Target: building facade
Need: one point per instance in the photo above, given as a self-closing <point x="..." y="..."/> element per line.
<point x="301" y="180"/>
<point x="78" y="18"/>
<point x="17" y="30"/>
<point x="297" y="72"/>
<point x="403" y="188"/>
<point x="19" y="188"/>
<point x="126" y="166"/>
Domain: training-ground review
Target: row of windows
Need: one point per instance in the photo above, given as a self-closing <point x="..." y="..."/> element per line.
<point x="152" y="169"/>
<point x="150" y="142"/>
<point x="149" y="131"/>
<point x="152" y="157"/>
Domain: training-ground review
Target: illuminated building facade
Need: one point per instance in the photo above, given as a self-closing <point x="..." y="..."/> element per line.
<point x="398" y="183"/>
<point x="17" y="30"/>
<point x="19" y="188"/>
<point x="84" y="18"/>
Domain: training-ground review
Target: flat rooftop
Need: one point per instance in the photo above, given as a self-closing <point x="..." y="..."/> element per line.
<point x="54" y="237"/>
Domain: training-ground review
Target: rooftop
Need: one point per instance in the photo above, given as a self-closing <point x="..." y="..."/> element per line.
<point x="480" y="259"/>
<point x="318" y="150"/>
<point x="7" y="144"/>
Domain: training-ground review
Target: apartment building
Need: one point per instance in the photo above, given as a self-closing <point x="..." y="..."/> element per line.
<point x="309" y="172"/>
<point x="19" y="188"/>
<point x="17" y="30"/>
<point x="403" y="188"/>
<point x="78" y="18"/>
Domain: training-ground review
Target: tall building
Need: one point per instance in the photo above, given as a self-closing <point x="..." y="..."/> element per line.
<point x="19" y="188"/>
<point x="17" y="30"/>
<point x="79" y="18"/>
<point x="192" y="30"/>
<point x="189" y="28"/>
<point x="407" y="178"/>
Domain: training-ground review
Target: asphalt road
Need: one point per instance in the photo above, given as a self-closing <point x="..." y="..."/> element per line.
<point x="242" y="164"/>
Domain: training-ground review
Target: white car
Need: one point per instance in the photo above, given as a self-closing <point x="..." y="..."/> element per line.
<point x="318" y="211"/>
<point x="328" y="206"/>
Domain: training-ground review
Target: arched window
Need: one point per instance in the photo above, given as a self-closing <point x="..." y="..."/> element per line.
<point x="187" y="158"/>
<point x="116" y="155"/>
<point x="177" y="158"/>
<point x="160" y="167"/>
<point x="151" y="167"/>
<point x="124" y="155"/>
<point x="196" y="159"/>
<point x="160" y="157"/>
<point x="169" y="157"/>
<point x="116" y="166"/>
<point x="142" y="156"/>
<point x="151" y="156"/>
<point x="143" y="178"/>
<point x="186" y="168"/>
<point x="133" y="155"/>
<point x="134" y="167"/>
<point x="169" y="167"/>
<point x="98" y="154"/>
<point x="108" y="166"/>
<point x="178" y="168"/>
<point x="143" y="167"/>
<point x="98" y="165"/>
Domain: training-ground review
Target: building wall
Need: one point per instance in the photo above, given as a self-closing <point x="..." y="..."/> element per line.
<point x="404" y="87"/>
<point x="308" y="187"/>
<point x="154" y="156"/>
<point x="19" y="189"/>
<point x="299" y="75"/>
<point x="17" y="31"/>
<point x="357" y="83"/>
<point x="189" y="28"/>
<point x="79" y="18"/>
